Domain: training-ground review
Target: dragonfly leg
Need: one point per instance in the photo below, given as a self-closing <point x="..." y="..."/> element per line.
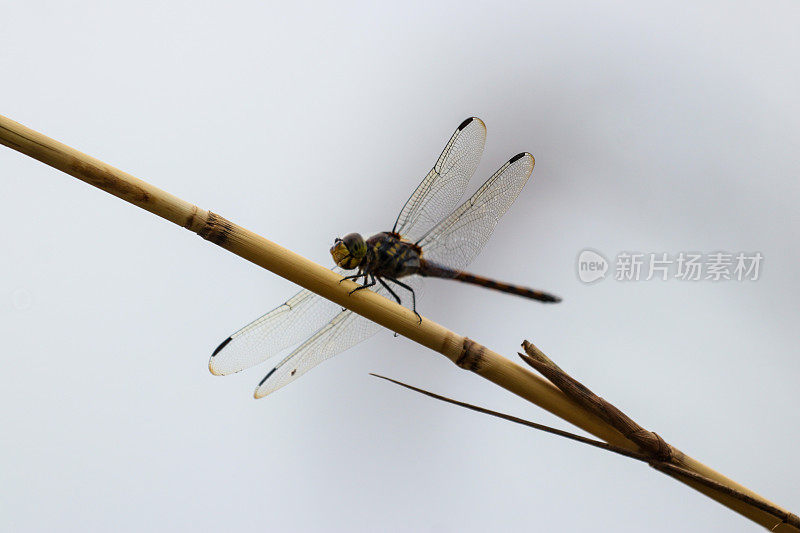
<point x="355" y="277"/>
<point x="413" y="296"/>
<point x="365" y="285"/>
<point x="394" y="295"/>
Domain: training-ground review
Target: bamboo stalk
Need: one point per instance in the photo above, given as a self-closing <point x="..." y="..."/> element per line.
<point x="289" y="265"/>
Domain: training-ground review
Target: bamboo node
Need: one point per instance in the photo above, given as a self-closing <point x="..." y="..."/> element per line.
<point x="217" y="229"/>
<point x="192" y="219"/>
<point x="472" y="356"/>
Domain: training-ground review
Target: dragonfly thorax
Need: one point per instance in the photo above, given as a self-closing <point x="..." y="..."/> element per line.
<point x="385" y="254"/>
<point x="350" y="251"/>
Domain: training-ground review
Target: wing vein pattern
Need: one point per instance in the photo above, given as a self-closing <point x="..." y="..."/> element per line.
<point x="443" y="187"/>
<point x="458" y="239"/>
<point x="286" y="325"/>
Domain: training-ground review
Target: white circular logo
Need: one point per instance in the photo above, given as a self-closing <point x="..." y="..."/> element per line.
<point x="591" y="266"/>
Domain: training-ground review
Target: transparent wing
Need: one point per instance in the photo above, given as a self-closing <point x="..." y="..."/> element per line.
<point x="343" y="332"/>
<point x="443" y="187"/>
<point x="457" y="240"/>
<point x="287" y="324"/>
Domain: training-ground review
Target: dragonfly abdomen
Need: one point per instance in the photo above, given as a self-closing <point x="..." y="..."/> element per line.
<point x="430" y="269"/>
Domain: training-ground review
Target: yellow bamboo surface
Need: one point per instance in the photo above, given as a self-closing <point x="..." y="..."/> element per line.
<point x="323" y="281"/>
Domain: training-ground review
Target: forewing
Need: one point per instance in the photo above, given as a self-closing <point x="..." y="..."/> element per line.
<point x="343" y="332"/>
<point x="457" y="240"/>
<point x="443" y="187"/>
<point x="266" y="336"/>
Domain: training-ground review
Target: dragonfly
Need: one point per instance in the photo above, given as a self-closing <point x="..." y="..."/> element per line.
<point x="433" y="236"/>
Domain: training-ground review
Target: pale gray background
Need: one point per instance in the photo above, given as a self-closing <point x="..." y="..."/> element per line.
<point x="657" y="127"/>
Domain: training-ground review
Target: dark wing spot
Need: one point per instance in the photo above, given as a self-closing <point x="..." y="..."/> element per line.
<point x="221" y="346"/>
<point x="294" y="371"/>
<point x="465" y="123"/>
<point x="267" y="376"/>
<point x="516" y="158"/>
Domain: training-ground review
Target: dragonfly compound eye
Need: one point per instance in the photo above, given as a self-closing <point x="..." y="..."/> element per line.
<point x="356" y="245"/>
<point x="348" y="252"/>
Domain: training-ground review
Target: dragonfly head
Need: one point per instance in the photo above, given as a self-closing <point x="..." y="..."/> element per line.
<point x="349" y="251"/>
